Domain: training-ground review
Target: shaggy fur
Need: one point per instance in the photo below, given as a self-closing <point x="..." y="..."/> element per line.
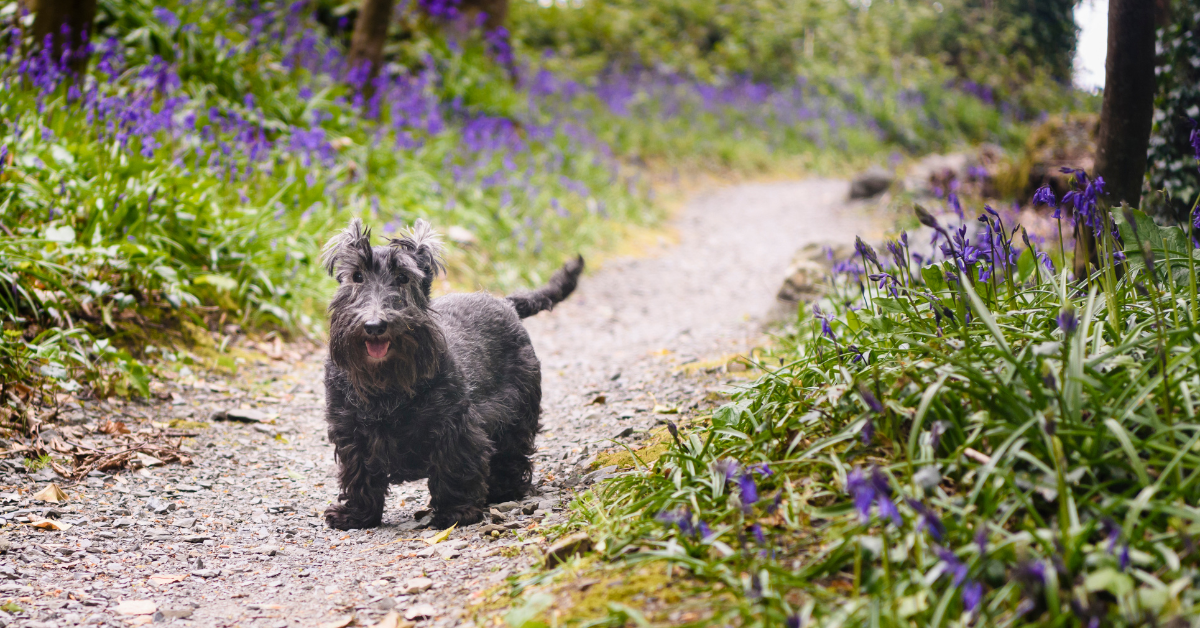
<point x="447" y="389"/>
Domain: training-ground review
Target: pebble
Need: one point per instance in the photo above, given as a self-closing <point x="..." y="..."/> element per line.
<point x="416" y="585"/>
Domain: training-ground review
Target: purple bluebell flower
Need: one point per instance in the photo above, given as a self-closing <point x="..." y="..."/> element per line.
<point x="870" y="399"/>
<point x="927" y="520"/>
<point x="748" y="489"/>
<point x="883" y="499"/>
<point x="868" y="432"/>
<point x="681" y="518"/>
<point x="757" y="531"/>
<point x="862" y="491"/>
<point x="981" y="539"/>
<point x="728" y="468"/>
<point x="793" y="621"/>
<point x="762" y="469"/>
<point x="972" y="595"/>
<point x="1045" y="196"/>
<point x="867" y="253"/>
<point x="3" y="157"/>
<point x="1067" y="321"/>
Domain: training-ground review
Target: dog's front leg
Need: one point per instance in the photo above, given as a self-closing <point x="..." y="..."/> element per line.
<point x="458" y="473"/>
<point x="363" y="488"/>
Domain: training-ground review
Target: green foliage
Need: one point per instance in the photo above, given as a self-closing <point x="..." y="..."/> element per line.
<point x="211" y="150"/>
<point x="1033" y="466"/>
<point x="1016" y="51"/>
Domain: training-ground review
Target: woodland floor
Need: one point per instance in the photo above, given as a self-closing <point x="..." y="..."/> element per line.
<point x="236" y="538"/>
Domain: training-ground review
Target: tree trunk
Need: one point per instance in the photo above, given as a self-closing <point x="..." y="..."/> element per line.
<point x="370" y="34"/>
<point x="51" y="17"/>
<point x="1127" y="113"/>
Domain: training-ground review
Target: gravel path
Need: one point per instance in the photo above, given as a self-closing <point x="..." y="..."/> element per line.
<point x="236" y="538"/>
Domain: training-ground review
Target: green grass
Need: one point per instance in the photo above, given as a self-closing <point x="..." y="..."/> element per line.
<point x="1053" y="473"/>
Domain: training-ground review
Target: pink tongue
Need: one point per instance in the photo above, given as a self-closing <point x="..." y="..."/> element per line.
<point x="377" y="349"/>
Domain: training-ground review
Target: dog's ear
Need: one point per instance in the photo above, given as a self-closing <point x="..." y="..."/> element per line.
<point x="424" y="244"/>
<point x="354" y="241"/>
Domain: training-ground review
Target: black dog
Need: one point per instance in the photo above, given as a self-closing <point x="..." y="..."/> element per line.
<point x="447" y="389"/>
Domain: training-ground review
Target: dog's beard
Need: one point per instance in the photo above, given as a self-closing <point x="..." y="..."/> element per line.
<point x="395" y="363"/>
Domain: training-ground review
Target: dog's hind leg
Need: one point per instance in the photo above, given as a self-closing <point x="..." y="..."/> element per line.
<point x="458" y="471"/>
<point x="511" y="466"/>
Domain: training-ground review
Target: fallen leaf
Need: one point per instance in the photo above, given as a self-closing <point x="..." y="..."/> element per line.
<point x="140" y="620"/>
<point x="147" y="460"/>
<point x="161" y="579"/>
<point x="136" y="607"/>
<point x="114" y="427"/>
<point x="440" y="536"/>
<point x="340" y="622"/>
<point x="393" y="620"/>
<point x="665" y="410"/>
<point x="50" y="524"/>
<point x="51" y="494"/>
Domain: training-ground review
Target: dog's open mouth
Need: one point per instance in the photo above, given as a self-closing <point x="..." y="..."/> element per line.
<point x="378" y="348"/>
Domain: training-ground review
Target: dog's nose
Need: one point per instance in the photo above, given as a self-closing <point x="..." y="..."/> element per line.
<point x="375" y="328"/>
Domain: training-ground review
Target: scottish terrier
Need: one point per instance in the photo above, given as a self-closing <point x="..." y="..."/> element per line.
<point x="447" y="389"/>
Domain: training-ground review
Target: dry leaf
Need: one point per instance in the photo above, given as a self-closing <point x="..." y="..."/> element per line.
<point x="113" y="427"/>
<point x="50" y="524"/>
<point x="340" y="622"/>
<point x="136" y="607"/>
<point x="440" y="536"/>
<point x="161" y="579"/>
<point x="393" y="620"/>
<point x="147" y="460"/>
<point x="51" y="494"/>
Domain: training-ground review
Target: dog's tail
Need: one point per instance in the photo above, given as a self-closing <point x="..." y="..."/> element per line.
<point x="560" y="286"/>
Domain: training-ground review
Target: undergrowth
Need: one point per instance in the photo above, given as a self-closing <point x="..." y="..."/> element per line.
<point x="962" y="436"/>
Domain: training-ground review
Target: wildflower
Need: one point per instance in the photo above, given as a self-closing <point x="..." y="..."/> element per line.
<point x="981" y="539"/>
<point x="1067" y="321"/>
<point x="3" y="158"/>
<point x="728" y="468"/>
<point x="870" y="399"/>
<point x="748" y="489"/>
<point x="864" y="494"/>
<point x="867" y="253"/>
<point x="988" y="209"/>
<point x="762" y="469"/>
<point x="793" y="621"/>
<point x="1045" y="196"/>
<point x="972" y="595"/>
<point x="681" y="518"/>
<point x="868" y="432"/>
<point x="757" y="531"/>
<point x="927" y="520"/>
<point x="883" y="492"/>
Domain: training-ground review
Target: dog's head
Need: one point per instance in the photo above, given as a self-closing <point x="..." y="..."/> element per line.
<point x="381" y="331"/>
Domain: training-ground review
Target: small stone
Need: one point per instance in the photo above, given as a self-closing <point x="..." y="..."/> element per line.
<point x="136" y="607"/>
<point x="875" y="180"/>
<point x="244" y="415"/>
<point x="416" y="585"/>
<point x="177" y="613"/>
<point x="188" y="488"/>
<point x="196" y="538"/>
<point x="269" y="550"/>
<point x="419" y="611"/>
<point x="546" y="505"/>
<point x="566" y="547"/>
<point x="384" y="603"/>
<point x="206" y="573"/>
<point x="185" y="523"/>
<point x="124" y="522"/>
<point x="506" y="506"/>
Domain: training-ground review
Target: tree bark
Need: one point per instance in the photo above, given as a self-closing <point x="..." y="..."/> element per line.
<point x="370" y="34"/>
<point x="50" y="18"/>
<point x="1127" y="113"/>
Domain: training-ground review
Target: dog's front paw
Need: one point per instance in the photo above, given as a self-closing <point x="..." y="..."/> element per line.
<point x="462" y="515"/>
<point x="344" y="517"/>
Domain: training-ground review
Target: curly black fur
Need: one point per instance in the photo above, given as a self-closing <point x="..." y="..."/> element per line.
<point x="447" y="389"/>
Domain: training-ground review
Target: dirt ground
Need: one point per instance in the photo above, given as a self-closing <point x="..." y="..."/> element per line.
<point x="236" y="538"/>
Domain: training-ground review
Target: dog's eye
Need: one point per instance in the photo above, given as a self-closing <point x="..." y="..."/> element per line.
<point x="357" y="277"/>
<point x="401" y="279"/>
